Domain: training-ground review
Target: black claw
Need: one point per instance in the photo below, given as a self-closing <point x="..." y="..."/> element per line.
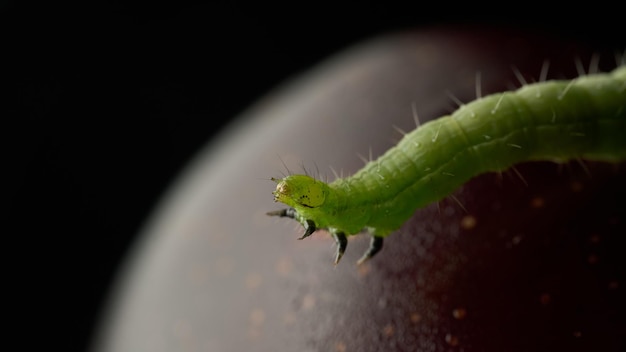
<point x="342" y="243"/>
<point x="309" y="228"/>
<point x="376" y="244"/>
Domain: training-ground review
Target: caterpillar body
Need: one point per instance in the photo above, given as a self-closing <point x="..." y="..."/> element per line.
<point x="583" y="118"/>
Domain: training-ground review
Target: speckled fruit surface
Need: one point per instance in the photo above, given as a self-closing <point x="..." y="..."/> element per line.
<point x="534" y="264"/>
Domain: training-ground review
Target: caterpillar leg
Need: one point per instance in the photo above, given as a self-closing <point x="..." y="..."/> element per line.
<point x="309" y="228"/>
<point x="376" y="244"/>
<point x="283" y="213"/>
<point x="309" y="225"/>
<point x="342" y="243"/>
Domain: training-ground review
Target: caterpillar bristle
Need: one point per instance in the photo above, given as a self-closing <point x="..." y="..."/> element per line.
<point x="416" y="118"/>
<point x="519" y="76"/>
<point x="478" y="85"/>
<point x="543" y="74"/>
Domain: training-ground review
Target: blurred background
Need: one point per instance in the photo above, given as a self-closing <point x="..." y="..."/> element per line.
<point x="105" y="102"/>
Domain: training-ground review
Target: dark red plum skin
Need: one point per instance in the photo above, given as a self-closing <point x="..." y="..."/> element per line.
<point x="527" y="260"/>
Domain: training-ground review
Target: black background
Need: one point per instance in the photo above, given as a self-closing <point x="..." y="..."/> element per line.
<point x="104" y="103"/>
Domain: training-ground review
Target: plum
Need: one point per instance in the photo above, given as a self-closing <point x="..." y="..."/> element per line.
<point x="526" y="260"/>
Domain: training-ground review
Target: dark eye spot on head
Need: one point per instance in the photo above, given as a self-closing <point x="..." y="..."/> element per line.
<point x="304" y="201"/>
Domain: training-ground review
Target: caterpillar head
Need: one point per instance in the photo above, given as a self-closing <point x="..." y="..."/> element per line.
<point x="300" y="191"/>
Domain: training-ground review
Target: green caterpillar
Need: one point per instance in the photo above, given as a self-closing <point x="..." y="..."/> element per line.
<point x="553" y="120"/>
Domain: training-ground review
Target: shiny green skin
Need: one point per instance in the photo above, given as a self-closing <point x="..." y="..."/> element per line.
<point x="555" y="120"/>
